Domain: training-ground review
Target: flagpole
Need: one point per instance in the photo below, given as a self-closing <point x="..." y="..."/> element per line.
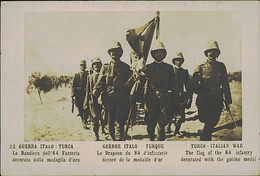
<point x="157" y="21"/>
<point x="140" y="40"/>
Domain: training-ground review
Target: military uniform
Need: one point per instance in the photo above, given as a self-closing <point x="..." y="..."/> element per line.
<point x="182" y="79"/>
<point x="114" y="92"/>
<point x="159" y="98"/>
<point x="91" y="101"/>
<point x="210" y="82"/>
<point x="79" y="91"/>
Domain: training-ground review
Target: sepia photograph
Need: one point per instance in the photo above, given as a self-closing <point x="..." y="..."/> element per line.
<point x="151" y="87"/>
<point x="74" y="91"/>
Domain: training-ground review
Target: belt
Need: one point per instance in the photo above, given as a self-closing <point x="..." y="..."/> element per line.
<point x="162" y="91"/>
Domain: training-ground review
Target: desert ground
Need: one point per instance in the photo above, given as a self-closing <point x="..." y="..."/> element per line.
<point x="54" y="121"/>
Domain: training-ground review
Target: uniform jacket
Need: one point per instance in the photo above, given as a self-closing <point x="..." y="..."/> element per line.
<point x="161" y="97"/>
<point x="79" y="84"/>
<point x="112" y="83"/>
<point x="211" y="77"/>
<point x="182" y="79"/>
<point x="161" y="77"/>
<point x="91" y="82"/>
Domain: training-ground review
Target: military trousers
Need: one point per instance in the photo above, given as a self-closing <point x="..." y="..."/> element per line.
<point x="116" y="123"/>
<point x="179" y="114"/>
<point x="178" y="119"/>
<point x="79" y="99"/>
<point x="116" y="107"/>
<point x="210" y="106"/>
<point x="158" y="113"/>
<point x="95" y="110"/>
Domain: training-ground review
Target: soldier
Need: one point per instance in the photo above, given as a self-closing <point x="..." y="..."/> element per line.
<point x="210" y="82"/>
<point x="61" y="80"/>
<point x="115" y="92"/>
<point x="90" y="101"/>
<point x="182" y="80"/>
<point x="78" y="91"/>
<point x="161" y="95"/>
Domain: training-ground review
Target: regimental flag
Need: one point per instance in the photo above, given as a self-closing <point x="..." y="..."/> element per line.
<point x="140" y="40"/>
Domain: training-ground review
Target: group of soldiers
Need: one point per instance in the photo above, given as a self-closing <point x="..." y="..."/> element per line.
<point x="167" y="90"/>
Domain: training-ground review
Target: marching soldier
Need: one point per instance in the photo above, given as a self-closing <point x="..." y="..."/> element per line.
<point x="182" y="80"/>
<point x="91" y="102"/>
<point x="161" y="95"/>
<point x="115" y="92"/>
<point x="78" y="91"/>
<point x="210" y="82"/>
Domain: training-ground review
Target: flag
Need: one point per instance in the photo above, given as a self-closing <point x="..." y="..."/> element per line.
<point x="140" y="40"/>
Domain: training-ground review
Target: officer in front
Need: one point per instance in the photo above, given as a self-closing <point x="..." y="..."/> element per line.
<point x="210" y="82"/>
<point x="161" y="94"/>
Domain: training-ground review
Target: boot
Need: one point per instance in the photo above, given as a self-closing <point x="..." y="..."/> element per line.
<point x="151" y="136"/>
<point x="113" y="137"/>
<point x="97" y="137"/>
<point x="177" y="128"/>
<point x="206" y="133"/>
<point x="161" y="134"/>
<point x="169" y="128"/>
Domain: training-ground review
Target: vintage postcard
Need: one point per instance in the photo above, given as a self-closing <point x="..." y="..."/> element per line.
<point x="130" y="88"/>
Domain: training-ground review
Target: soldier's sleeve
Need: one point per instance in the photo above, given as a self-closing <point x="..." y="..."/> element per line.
<point x="187" y="84"/>
<point x="225" y="86"/>
<point x="195" y="80"/>
<point x="85" y="104"/>
<point x="173" y="87"/>
<point x="99" y="86"/>
<point x="73" y="86"/>
<point x="129" y="73"/>
<point x="187" y="80"/>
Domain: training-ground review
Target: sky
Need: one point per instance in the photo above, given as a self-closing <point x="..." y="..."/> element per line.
<point x="55" y="42"/>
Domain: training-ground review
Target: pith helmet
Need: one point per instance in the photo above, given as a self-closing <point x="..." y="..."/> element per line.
<point x="212" y="45"/>
<point x="158" y="46"/>
<point x="82" y="62"/>
<point x="96" y="60"/>
<point x="116" y="45"/>
<point x="179" y="56"/>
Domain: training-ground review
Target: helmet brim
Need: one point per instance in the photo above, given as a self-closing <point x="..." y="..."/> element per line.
<point x="95" y="63"/>
<point x="216" y="50"/>
<point x="120" y="50"/>
<point x="153" y="51"/>
<point x="178" y="58"/>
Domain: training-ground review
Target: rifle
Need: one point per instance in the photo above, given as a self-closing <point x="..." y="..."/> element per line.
<point x="133" y="105"/>
<point x="228" y="110"/>
<point x="73" y="104"/>
<point x="90" y="87"/>
<point x="128" y="122"/>
<point x="91" y="94"/>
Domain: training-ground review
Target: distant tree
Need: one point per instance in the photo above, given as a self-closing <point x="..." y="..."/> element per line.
<point x="235" y="76"/>
<point x="55" y="82"/>
<point x="41" y="83"/>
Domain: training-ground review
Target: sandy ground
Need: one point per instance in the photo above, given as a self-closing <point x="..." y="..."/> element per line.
<point x="53" y="121"/>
